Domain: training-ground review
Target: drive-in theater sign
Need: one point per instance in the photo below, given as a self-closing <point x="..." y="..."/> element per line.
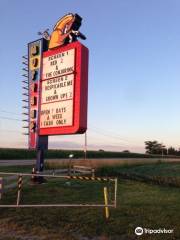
<point x="64" y="90"/>
<point x="57" y="83"/>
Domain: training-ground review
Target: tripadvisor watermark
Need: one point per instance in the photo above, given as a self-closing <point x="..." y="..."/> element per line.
<point x="139" y="231"/>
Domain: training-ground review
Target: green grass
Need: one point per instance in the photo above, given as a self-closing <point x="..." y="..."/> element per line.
<point x="10" y="153"/>
<point x="154" y="169"/>
<point x="158" y="169"/>
<point x="18" y="169"/>
<point x="160" y="173"/>
<point x="140" y="203"/>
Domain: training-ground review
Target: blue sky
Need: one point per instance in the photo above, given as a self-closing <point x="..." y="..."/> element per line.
<point x="134" y="70"/>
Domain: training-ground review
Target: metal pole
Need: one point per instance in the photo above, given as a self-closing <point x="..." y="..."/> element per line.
<point x="55" y="205"/>
<point x="93" y="172"/>
<point x="40" y="160"/>
<point x="104" y="179"/>
<point x="1" y="187"/>
<point x="70" y="164"/>
<point x="106" y="202"/>
<point x="115" y="193"/>
<point x="85" y="146"/>
<point x="40" y="164"/>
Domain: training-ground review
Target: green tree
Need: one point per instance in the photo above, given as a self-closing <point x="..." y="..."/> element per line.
<point x="172" y="151"/>
<point x="153" y="147"/>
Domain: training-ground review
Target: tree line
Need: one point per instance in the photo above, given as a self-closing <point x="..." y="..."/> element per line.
<point x="154" y="147"/>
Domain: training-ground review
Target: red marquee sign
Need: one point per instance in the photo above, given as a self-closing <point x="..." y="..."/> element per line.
<point x="63" y="90"/>
<point x="57" y="83"/>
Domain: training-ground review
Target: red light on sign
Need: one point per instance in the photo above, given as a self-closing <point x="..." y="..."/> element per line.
<point x="63" y="88"/>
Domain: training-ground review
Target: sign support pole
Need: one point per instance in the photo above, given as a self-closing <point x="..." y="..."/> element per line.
<point x="40" y="164"/>
<point x="40" y="160"/>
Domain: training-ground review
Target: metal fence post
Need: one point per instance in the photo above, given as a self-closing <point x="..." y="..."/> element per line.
<point x="70" y="162"/>
<point x="115" y="193"/>
<point x="106" y="202"/>
<point x="1" y="187"/>
<point x="93" y="172"/>
<point x="19" y="189"/>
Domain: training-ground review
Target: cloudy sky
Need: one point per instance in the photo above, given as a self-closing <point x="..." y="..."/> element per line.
<point x="134" y="70"/>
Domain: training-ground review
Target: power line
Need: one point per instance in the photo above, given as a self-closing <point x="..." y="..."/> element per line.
<point x="10" y="112"/>
<point x="93" y="128"/>
<point x="7" y="130"/>
<point x="110" y="134"/>
<point x="8" y="118"/>
<point x="107" y="135"/>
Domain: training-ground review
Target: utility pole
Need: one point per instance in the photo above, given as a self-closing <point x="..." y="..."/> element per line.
<point x="85" y="146"/>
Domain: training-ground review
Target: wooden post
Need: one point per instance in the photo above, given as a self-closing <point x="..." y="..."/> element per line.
<point x="106" y="202"/>
<point x="19" y="189"/>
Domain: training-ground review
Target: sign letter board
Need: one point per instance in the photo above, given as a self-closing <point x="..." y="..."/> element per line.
<point x="63" y="95"/>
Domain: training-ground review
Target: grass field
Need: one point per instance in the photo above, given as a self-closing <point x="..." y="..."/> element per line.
<point x="107" y="162"/>
<point x="140" y="203"/>
<point x="154" y="169"/>
<point x="10" y="153"/>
